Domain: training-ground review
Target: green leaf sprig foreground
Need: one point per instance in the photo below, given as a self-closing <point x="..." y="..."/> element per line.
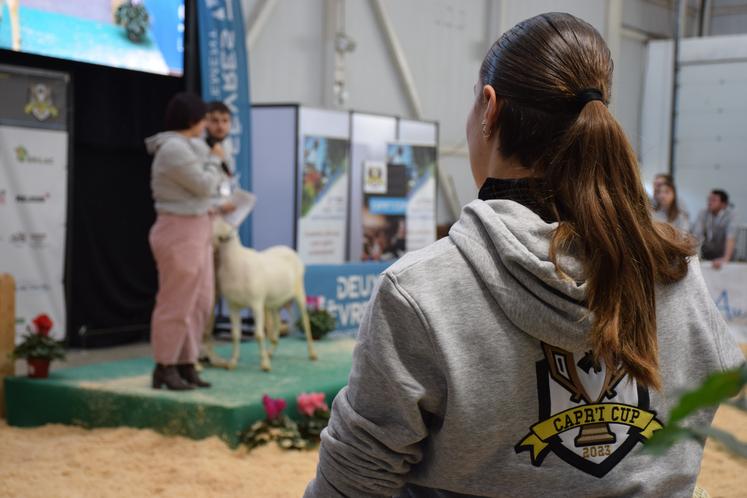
<point x="718" y="388"/>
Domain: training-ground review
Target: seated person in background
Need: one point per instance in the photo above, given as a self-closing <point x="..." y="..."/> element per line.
<point x="667" y="208"/>
<point x="659" y="180"/>
<point x="716" y="229"/>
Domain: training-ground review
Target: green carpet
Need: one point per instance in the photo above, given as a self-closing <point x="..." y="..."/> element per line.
<point x="119" y="394"/>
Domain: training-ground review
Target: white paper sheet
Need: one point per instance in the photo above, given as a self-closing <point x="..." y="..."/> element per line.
<point x="244" y="202"/>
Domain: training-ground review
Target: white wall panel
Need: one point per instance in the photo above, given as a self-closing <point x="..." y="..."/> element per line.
<point x="444" y="42"/>
<point x="711" y="147"/>
<point x="627" y="90"/>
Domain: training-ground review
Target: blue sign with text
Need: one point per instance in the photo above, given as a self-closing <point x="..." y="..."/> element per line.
<point x="345" y="288"/>
<point x="224" y="71"/>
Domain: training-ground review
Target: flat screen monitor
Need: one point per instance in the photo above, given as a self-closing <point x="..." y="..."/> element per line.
<point x="142" y="35"/>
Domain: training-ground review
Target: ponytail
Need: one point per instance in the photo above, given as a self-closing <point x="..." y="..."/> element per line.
<point x="543" y="69"/>
<point x="604" y="214"/>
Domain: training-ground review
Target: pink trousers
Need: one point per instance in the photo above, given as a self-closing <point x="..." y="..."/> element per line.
<point x="182" y="247"/>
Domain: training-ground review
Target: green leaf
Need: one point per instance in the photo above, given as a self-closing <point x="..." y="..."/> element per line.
<point x="321" y="321"/>
<point x="39" y="346"/>
<point x="717" y="387"/>
<point x="665" y="438"/>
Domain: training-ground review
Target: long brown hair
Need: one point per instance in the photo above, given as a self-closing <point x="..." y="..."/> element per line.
<point x="539" y="69"/>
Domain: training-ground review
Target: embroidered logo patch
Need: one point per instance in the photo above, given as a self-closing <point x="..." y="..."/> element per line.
<point x="591" y="416"/>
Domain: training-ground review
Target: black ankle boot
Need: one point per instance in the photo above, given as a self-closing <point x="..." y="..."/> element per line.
<point x="169" y="376"/>
<point x="188" y="372"/>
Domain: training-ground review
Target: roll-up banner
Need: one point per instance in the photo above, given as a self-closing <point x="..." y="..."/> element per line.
<point x="224" y="72"/>
<point x="33" y="191"/>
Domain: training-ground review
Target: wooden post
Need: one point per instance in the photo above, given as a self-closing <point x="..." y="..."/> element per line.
<point x="7" y="333"/>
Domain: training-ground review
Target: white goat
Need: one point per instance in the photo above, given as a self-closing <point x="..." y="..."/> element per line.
<point x="263" y="281"/>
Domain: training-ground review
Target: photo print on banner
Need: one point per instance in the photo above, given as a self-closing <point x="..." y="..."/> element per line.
<point x="399" y="202"/>
<point x="322" y="221"/>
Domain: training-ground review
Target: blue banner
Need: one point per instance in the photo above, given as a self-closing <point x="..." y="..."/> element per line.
<point x="346" y="289"/>
<point x="224" y="69"/>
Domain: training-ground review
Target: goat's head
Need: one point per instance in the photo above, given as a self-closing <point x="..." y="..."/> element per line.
<point x="222" y="231"/>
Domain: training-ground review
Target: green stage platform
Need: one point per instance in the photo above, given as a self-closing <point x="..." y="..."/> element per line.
<point x="119" y="394"/>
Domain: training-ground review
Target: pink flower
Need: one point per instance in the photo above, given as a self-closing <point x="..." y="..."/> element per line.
<point x="309" y="403"/>
<point x="43" y="324"/>
<point x="273" y="407"/>
<point x="312" y="302"/>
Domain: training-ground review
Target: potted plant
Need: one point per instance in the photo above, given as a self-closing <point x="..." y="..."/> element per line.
<point x="39" y="349"/>
<point x="287" y="433"/>
<point x="322" y="322"/>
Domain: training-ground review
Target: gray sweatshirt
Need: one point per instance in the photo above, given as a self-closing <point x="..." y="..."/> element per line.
<point x="184" y="175"/>
<point x="471" y="377"/>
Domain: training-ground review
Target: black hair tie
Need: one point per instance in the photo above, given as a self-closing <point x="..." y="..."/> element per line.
<point x="587" y="95"/>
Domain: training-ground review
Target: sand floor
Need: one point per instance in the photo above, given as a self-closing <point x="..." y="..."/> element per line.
<point x="61" y="461"/>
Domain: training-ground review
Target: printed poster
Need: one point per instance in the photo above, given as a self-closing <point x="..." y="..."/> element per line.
<point x="399" y="212"/>
<point x="322" y="221"/>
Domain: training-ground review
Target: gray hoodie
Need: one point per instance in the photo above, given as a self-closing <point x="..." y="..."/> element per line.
<point x="184" y="174"/>
<point x="471" y="377"/>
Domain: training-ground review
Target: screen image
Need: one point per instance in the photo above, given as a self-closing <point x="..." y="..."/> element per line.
<point x="142" y="35"/>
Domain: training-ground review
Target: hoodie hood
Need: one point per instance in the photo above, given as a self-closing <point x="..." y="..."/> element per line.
<point x="508" y="246"/>
<point x="153" y="143"/>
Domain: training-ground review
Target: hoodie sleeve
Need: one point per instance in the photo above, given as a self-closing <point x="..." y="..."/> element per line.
<point x="380" y="420"/>
<point x="186" y="169"/>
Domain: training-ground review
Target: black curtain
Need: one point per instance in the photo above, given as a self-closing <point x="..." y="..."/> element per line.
<point x="110" y="273"/>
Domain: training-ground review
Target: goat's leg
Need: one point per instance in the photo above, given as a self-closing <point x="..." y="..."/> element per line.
<point x="207" y="343"/>
<point x="259" y="334"/>
<point x="15" y="24"/>
<point x="273" y="328"/>
<point x="235" y="313"/>
<point x="301" y="303"/>
<point x="269" y="324"/>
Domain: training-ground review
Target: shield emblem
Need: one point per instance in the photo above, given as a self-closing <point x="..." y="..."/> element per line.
<point x="40" y="103"/>
<point x="591" y="415"/>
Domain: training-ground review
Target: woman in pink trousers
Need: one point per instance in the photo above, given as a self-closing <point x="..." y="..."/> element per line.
<point x="185" y="175"/>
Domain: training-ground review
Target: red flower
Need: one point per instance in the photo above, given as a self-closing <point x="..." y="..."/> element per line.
<point x="309" y="403"/>
<point x="43" y="324"/>
<point x="273" y="407"/>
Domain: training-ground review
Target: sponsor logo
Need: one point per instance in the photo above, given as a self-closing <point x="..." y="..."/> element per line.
<point x="23" y="156"/>
<point x="591" y="416"/>
<point x="34" y="240"/>
<point x="32" y="199"/>
<point x="40" y="103"/>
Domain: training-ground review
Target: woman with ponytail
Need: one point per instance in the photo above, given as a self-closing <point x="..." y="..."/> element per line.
<point x="534" y="350"/>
